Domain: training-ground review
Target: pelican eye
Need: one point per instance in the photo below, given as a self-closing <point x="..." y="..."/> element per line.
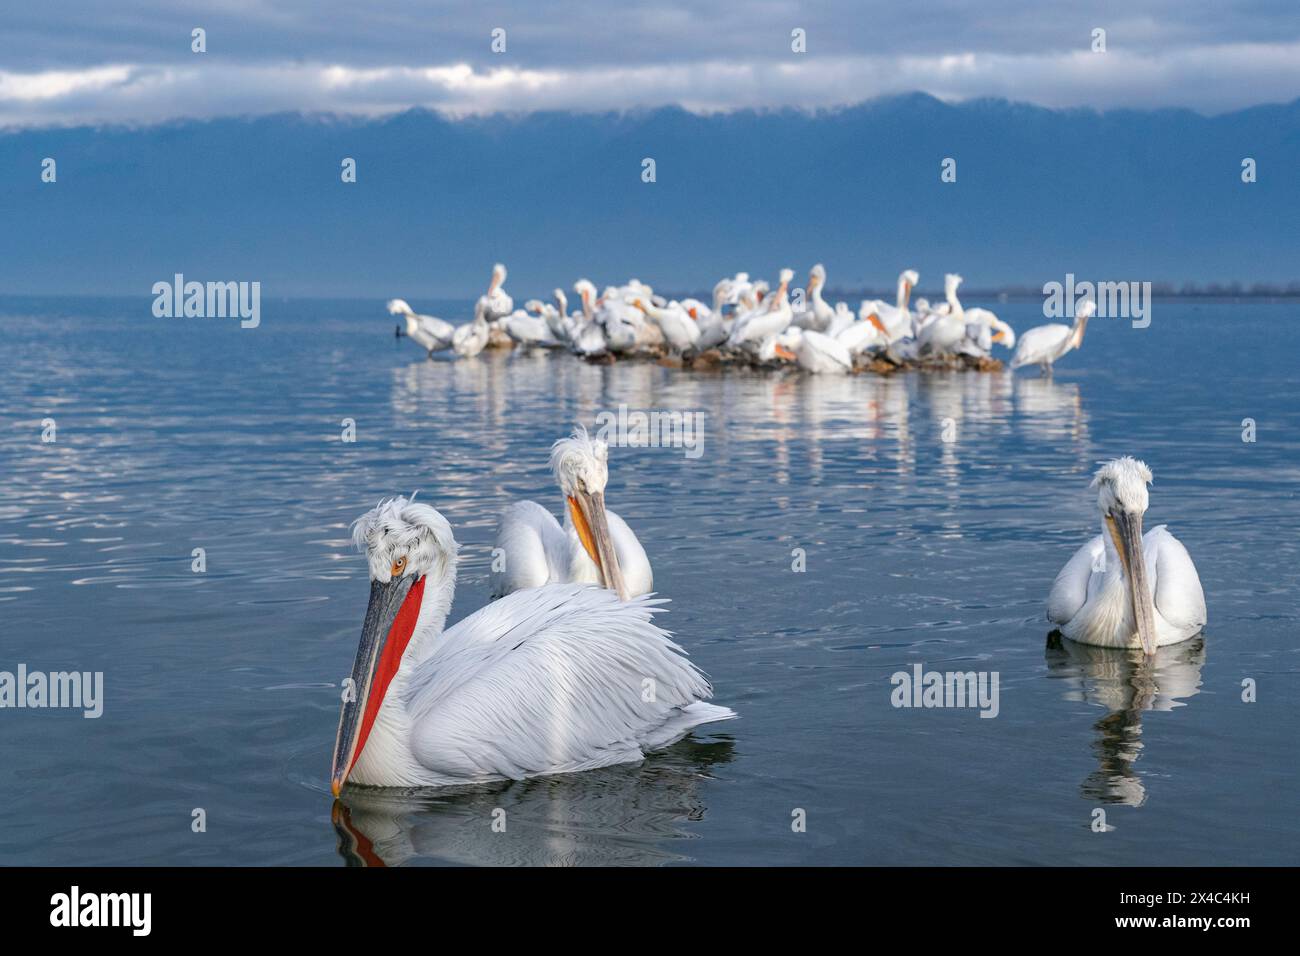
<point x="399" y="566"/>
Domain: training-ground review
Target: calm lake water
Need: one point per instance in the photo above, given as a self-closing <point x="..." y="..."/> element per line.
<point x="222" y="688"/>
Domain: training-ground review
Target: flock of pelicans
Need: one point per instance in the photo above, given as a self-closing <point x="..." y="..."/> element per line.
<point x="747" y="322"/>
<point x="565" y="670"/>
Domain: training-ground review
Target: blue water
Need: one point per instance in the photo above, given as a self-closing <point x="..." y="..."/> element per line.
<point x="222" y="688"/>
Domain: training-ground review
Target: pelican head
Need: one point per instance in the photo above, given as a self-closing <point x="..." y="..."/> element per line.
<point x="586" y="290"/>
<point x="816" y="277"/>
<point x="405" y="544"/>
<point x="498" y="278"/>
<point x="950" y="283"/>
<point x="580" y="464"/>
<point x="1082" y="313"/>
<point x="908" y="279"/>
<point x="1122" y="497"/>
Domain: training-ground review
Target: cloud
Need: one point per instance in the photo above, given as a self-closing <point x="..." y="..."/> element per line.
<point x="131" y="62"/>
<point x="1241" y="75"/>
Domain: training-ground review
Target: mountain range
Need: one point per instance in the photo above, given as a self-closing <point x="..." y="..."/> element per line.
<point x="1124" y="195"/>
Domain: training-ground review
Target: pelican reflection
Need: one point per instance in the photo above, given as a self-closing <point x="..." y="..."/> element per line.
<point x="1126" y="683"/>
<point x="619" y="816"/>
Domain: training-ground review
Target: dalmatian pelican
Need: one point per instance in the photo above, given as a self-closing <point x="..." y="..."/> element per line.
<point x="429" y="332"/>
<point x="548" y="680"/>
<point x="595" y="546"/>
<point x="1124" y="588"/>
<point x="1044" y="344"/>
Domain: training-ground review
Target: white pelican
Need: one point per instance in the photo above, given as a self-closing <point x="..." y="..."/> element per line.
<point x="595" y="546"/>
<point x="429" y="332"/>
<point x="755" y="327"/>
<point x="727" y="291"/>
<point x="1123" y="588"/>
<point x="819" y="353"/>
<point x="530" y="326"/>
<point x="713" y="327"/>
<point x="679" y="328"/>
<point x="1044" y="344"/>
<point x="587" y="336"/>
<point x="817" y="314"/>
<point x="623" y="325"/>
<point x="946" y="330"/>
<point x="495" y="303"/>
<point x="472" y="337"/>
<point x="775" y="349"/>
<point x="549" y="680"/>
<point x="895" y="321"/>
<point x="841" y="319"/>
<point x="866" y="333"/>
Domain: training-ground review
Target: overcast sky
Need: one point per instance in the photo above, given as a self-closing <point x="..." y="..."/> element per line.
<point x="88" y="61"/>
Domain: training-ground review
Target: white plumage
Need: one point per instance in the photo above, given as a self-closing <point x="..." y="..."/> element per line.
<point x="1121" y="577"/>
<point x="763" y="322"/>
<point x="819" y="354"/>
<point x="429" y="332"/>
<point x="537" y="551"/>
<point x="548" y="680"/>
<point x="1044" y="344"/>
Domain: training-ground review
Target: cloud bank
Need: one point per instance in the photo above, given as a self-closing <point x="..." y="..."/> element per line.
<point x="132" y="62"/>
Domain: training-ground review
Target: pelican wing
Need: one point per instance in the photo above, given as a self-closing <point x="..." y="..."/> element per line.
<point x="632" y="559"/>
<point x="824" y="353"/>
<point x="1178" y="594"/>
<point x="437" y="328"/>
<point x="1041" y="343"/>
<point x="859" y="336"/>
<point x="553" y="680"/>
<point x="1070" y="589"/>
<point x="534" y="549"/>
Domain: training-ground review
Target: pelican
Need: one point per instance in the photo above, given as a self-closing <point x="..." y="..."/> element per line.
<point x="866" y="333"/>
<point x="622" y="325"/>
<point x="495" y="303"/>
<point x="549" y="680"/>
<point x="895" y="321"/>
<point x="680" y="330"/>
<point x="818" y="313"/>
<point x="713" y="327"/>
<point x="778" y="349"/>
<point x="755" y="327"/>
<point x="587" y="335"/>
<point x="946" y="330"/>
<point x="979" y="319"/>
<point x="431" y="333"/>
<point x="531" y="326"/>
<point x="841" y="320"/>
<point x="472" y="337"/>
<point x="819" y="353"/>
<point x="595" y="546"/>
<point x="1044" y="344"/>
<point x="1123" y="588"/>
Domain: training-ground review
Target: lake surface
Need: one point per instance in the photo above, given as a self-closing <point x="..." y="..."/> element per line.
<point x="221" y="688"/>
